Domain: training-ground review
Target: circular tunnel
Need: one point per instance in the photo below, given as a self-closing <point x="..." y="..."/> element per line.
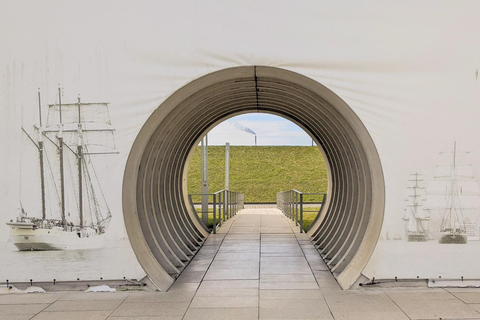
<point x="162" y="228"/>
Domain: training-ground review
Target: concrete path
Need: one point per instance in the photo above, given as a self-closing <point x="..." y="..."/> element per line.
<point x="256" y="267"/>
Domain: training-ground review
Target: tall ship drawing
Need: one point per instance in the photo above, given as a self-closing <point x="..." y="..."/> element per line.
<point x="416" y="229"/>
<point x="71" y="211"/>
<point x="456" y="198"/>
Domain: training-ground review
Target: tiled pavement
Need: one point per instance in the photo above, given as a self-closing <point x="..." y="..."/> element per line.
<point x="255" y="267"/>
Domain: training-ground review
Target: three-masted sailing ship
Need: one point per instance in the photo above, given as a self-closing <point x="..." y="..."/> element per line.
<point x="415" y="220"/>
<point x="455" y="195"/>
<point x="74" y="213"/>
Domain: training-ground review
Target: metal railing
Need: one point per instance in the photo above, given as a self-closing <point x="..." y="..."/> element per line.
<point x="294" y="204"/>
<point x="224" y="204"/>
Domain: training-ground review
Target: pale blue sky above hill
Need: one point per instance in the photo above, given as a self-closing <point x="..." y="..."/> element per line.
<point x="270" y="130"/>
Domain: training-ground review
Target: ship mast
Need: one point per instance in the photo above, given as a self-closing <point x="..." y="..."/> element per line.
<point x="62" y="174"/>
<point x="452" y="220"/>
<point x="40" y="151"/>
<point x="453" y="184"/>
<point x="72" y="134"/>
<point x="79" y="164"/>
<point x="413" y="217"/>
<point x="415" y="205"/>
<point x="415" y="195"/>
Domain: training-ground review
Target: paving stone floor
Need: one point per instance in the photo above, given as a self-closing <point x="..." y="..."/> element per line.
<point x="256" y="267"/>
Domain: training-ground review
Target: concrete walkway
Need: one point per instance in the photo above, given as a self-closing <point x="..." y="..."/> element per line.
<point x="256" y="267"/>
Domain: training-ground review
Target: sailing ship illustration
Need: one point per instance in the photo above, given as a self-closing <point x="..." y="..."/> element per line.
<point x="455" y="195"/>
<point x="74" y="213"/>
<point x="415" y="221"/>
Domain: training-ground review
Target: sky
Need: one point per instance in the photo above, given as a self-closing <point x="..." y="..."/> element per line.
<point x="270" y="130"/>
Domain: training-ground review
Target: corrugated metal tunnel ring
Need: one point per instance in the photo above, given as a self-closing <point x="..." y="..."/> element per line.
<point x="161" y="226"/>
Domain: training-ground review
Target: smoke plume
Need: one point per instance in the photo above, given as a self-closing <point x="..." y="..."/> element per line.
<point x="243" y="128"/>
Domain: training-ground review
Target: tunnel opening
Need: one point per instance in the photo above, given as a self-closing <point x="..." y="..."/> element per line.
<point x="267" y="154"/>
<point x="162" y="227"/>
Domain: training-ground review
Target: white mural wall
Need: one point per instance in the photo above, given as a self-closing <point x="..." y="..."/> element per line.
<point x="408" y="69"/>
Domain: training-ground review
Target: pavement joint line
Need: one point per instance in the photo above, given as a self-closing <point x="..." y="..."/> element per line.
<point x="301" y="248"/>
<point x="396" y="304"/>
<point x="48" y="305"/>
<point x="278" y="239"/>
<point x="468" y="304"/>
<point x="326" y="302"/>
<point x="458" y="298"/>
<point x="303" y="251"/>
<point x="210" y="264"/>
<point x="233" y="219"/>
<point x="111" y="313"/>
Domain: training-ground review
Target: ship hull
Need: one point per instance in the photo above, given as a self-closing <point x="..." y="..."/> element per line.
<point x="51" y="239"/>
<point x="417" y="238"/>
<point x="454" y="238"/>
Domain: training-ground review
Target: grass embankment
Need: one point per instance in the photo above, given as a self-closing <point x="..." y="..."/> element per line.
<point x="261" y="172"/>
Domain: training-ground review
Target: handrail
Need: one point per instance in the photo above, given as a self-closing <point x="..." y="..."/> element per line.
<point x="225" y="202"/>
<point x="292" y="204"/>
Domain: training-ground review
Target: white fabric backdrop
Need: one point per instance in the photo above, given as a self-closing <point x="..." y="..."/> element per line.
<point x="409" y="69"/>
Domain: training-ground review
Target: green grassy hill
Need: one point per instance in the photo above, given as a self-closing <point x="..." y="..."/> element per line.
<point x="262" y="171"/>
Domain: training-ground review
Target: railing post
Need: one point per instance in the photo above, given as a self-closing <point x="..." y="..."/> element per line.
<point x="279" y="201"/>
<point x="236" y="202"/>
<point x="282" y="207"/>
<point x="229" y="199"/>
<point x="296" y="208"/>
<point x="292" y="204"/>
<point x="220" y="209"/>
<point x="225" y="205"/>
<point x="287" y="196"/>
<point x="301" y="212"/>
<point x="224" y="202"/>
<point x="214" y="214"/>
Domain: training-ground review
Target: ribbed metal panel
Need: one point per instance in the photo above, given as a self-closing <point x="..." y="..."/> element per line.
<point x="161" y="226"/>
